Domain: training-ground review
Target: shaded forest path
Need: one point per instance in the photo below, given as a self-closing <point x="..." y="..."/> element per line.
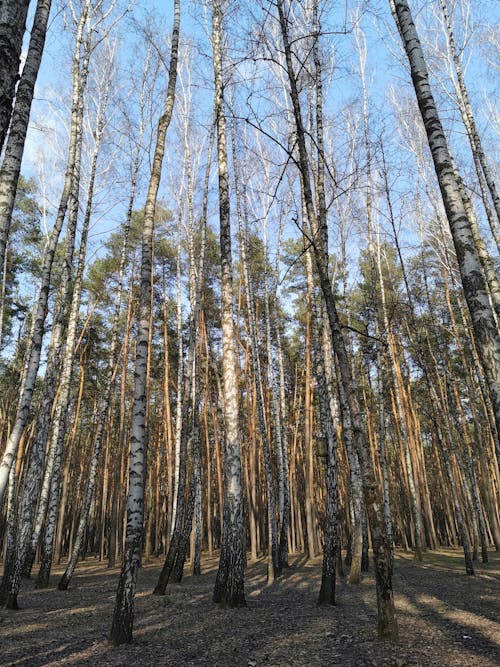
<point x="445" y="619"/>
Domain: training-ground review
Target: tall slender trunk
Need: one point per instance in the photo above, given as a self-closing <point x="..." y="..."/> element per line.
<point x="166" y="417"/>
<point x="324" y="363"/>
<point x="178" y="490"/>
<point x="308" y="417"/>
<point x="284" y="460"/>
<point x="80" y="70"/>
<point x="10" y="539"/>
<point x="58" y="434"/>
<point x="123" y="617"/>
<point x="229" y="584"/>
<point x="474" y="286"/>
<point x="387" y="625"/>
<point x="480" y="162"/>
<point x="13" y="15"/>
<point x="26" y="541"/>
<point x="59" y="421"/>
<point x="378" y="301"/>
<point x="469" y="568"/>
<point x="331" y="542"/>
<point x="104" y="403"/>
<point x="119" y="489"/>
<point x="11" y="165"/>
<point x="384" y="465"/>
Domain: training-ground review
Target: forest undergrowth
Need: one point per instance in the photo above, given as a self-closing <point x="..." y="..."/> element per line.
<point x="445" y="618"/>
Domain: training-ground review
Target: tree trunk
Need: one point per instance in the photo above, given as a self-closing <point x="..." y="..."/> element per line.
<point x="80" y="70"/>
<point x="62" y="403"/>
<point x="473" y="281"/>
<point x="331" y="536"/>
<point x="229" y="584"/>
<point x="387" y="625"/>
<point x="106" y="401"/>
<point x="11" y="165"/>
<point x="284" y="459"/>
<point x="13" y="15"/>
<point x="123" y="617"/>
<point x="480" y="162"/>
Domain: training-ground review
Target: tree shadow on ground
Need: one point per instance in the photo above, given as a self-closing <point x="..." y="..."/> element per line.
<point x="438" y="611"/>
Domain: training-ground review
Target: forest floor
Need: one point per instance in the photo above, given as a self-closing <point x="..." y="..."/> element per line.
<point x="445" y="619"/>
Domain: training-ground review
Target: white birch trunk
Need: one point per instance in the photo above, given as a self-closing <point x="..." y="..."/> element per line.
<point x="123" y="617"/>
<point x="331" y="537"/>
<point x="103" y="406"/>
<point x="387" y="624"/>
<point x="36" y="337"/>
<point x="69" y="199"/>
<point x="480" y="161"/>
<point x="473" y="282"/>
<point x="62" y="405"/>
<point x="9" y="173"/>
<point x="180" y="383"/>
<point x="229" y="585"/>
<point x="11" y="165"/>
<point x="106" y="400"/>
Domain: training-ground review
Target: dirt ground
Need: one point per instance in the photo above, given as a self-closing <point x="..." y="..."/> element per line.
<point x="445" y="619"/>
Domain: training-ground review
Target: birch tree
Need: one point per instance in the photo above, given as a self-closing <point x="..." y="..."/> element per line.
<point x="481" y="163"/>
<point x="229" y="584"/>
<point x="123" y="617"/>
<point x="13" y="15"/>
<point x="471" y="272"/>
<point x="11" y="165"/>
<point x="106" y="399"/>
<point x="387" y="624"/>
<point x="63" y="399"/>
<point x="80" y="71"/>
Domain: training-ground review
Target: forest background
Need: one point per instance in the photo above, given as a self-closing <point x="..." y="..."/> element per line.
<point x="413" y="355"/>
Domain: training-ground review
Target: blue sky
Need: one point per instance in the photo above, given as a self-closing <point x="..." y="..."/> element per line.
<point x="384" y="74"/>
